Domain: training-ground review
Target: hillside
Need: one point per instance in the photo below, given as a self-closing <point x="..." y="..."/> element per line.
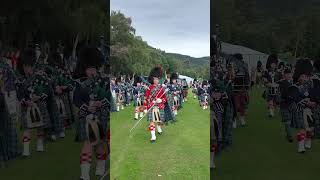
<point x="288" y="26"/>
<point x="188" y="60"/>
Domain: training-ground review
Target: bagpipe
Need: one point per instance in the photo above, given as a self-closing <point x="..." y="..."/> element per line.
<point x="64" y="78"/>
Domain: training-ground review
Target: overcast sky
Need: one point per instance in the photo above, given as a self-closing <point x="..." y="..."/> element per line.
<point x="177" y="26"/>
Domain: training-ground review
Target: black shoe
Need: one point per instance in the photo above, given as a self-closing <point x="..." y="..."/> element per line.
<point x="290" y="140"/>
<point x="159" y="133"/>
<point x="152" y="141"/>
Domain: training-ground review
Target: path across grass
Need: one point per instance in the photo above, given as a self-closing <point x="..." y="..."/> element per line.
<point x="261" y="151"/>
<point x="181" y="152"/>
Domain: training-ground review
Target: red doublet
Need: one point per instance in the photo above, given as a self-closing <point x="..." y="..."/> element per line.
<point x="153" y="97"/>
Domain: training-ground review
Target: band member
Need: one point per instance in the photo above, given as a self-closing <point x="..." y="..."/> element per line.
<point x="155" y="99"/>
<point x="119" y="94"/>
<point x="185" y="89"/>
<point x="90" y="97"/>
<point x="259" y="72"/>
<point x="316" y="96"/>
<point x="284" y="103"/>
<point x="203" y="93"/>
<point x="32" y="93"/>
<point x="195" y="88"/>
<point x="113" y="89"/>
<point x="302" y="103"/>
<point x="174" y="93"/>
<point x="60" y="105"/>
<point x="9" y="148"/>
<point x="271" y="77"/>
<point x="138" y="94"/>
<point x="240" y="90"/>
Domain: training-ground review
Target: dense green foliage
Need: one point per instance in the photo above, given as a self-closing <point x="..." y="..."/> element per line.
<point x="130" y="54"/>
<point x="288" y="27"/>
<point x="51" y="21"/>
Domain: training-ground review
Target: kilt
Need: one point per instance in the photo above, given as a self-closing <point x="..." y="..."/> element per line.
<point x="240" y="101"/>
<point x="44" y="113"/>
<point x="286" y="115"/>
<point x="168" y="113"/>
<point x="67" y="118"/>
<point x="316" y="118"/>
<point x="9" y="141"/>
<point x="297" y="120"/>
<point x="172" y="100"/>
<point x="81" y="133"/>
<point x="55" y="119"/>
<point x="162" y="115"/>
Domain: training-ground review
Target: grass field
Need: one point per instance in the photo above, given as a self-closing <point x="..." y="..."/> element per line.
<point x="181" y="152"/>
<point x="261" y="151"/>
<point x="60" y="161"/>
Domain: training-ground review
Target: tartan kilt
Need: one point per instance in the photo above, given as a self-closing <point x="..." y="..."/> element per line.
<point x="168" y="113"/>
<point x="14" y="149"/>
<point x="81" y="133"/>
<point x="9" y="141"/>
<point x="286" y="115"/>
<point x="162" y="115"/>
<point x="44" y="113"/>
<point x="55" y="118"/>
<point x="297" y="120"/>
<point x="59" y="123"/>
